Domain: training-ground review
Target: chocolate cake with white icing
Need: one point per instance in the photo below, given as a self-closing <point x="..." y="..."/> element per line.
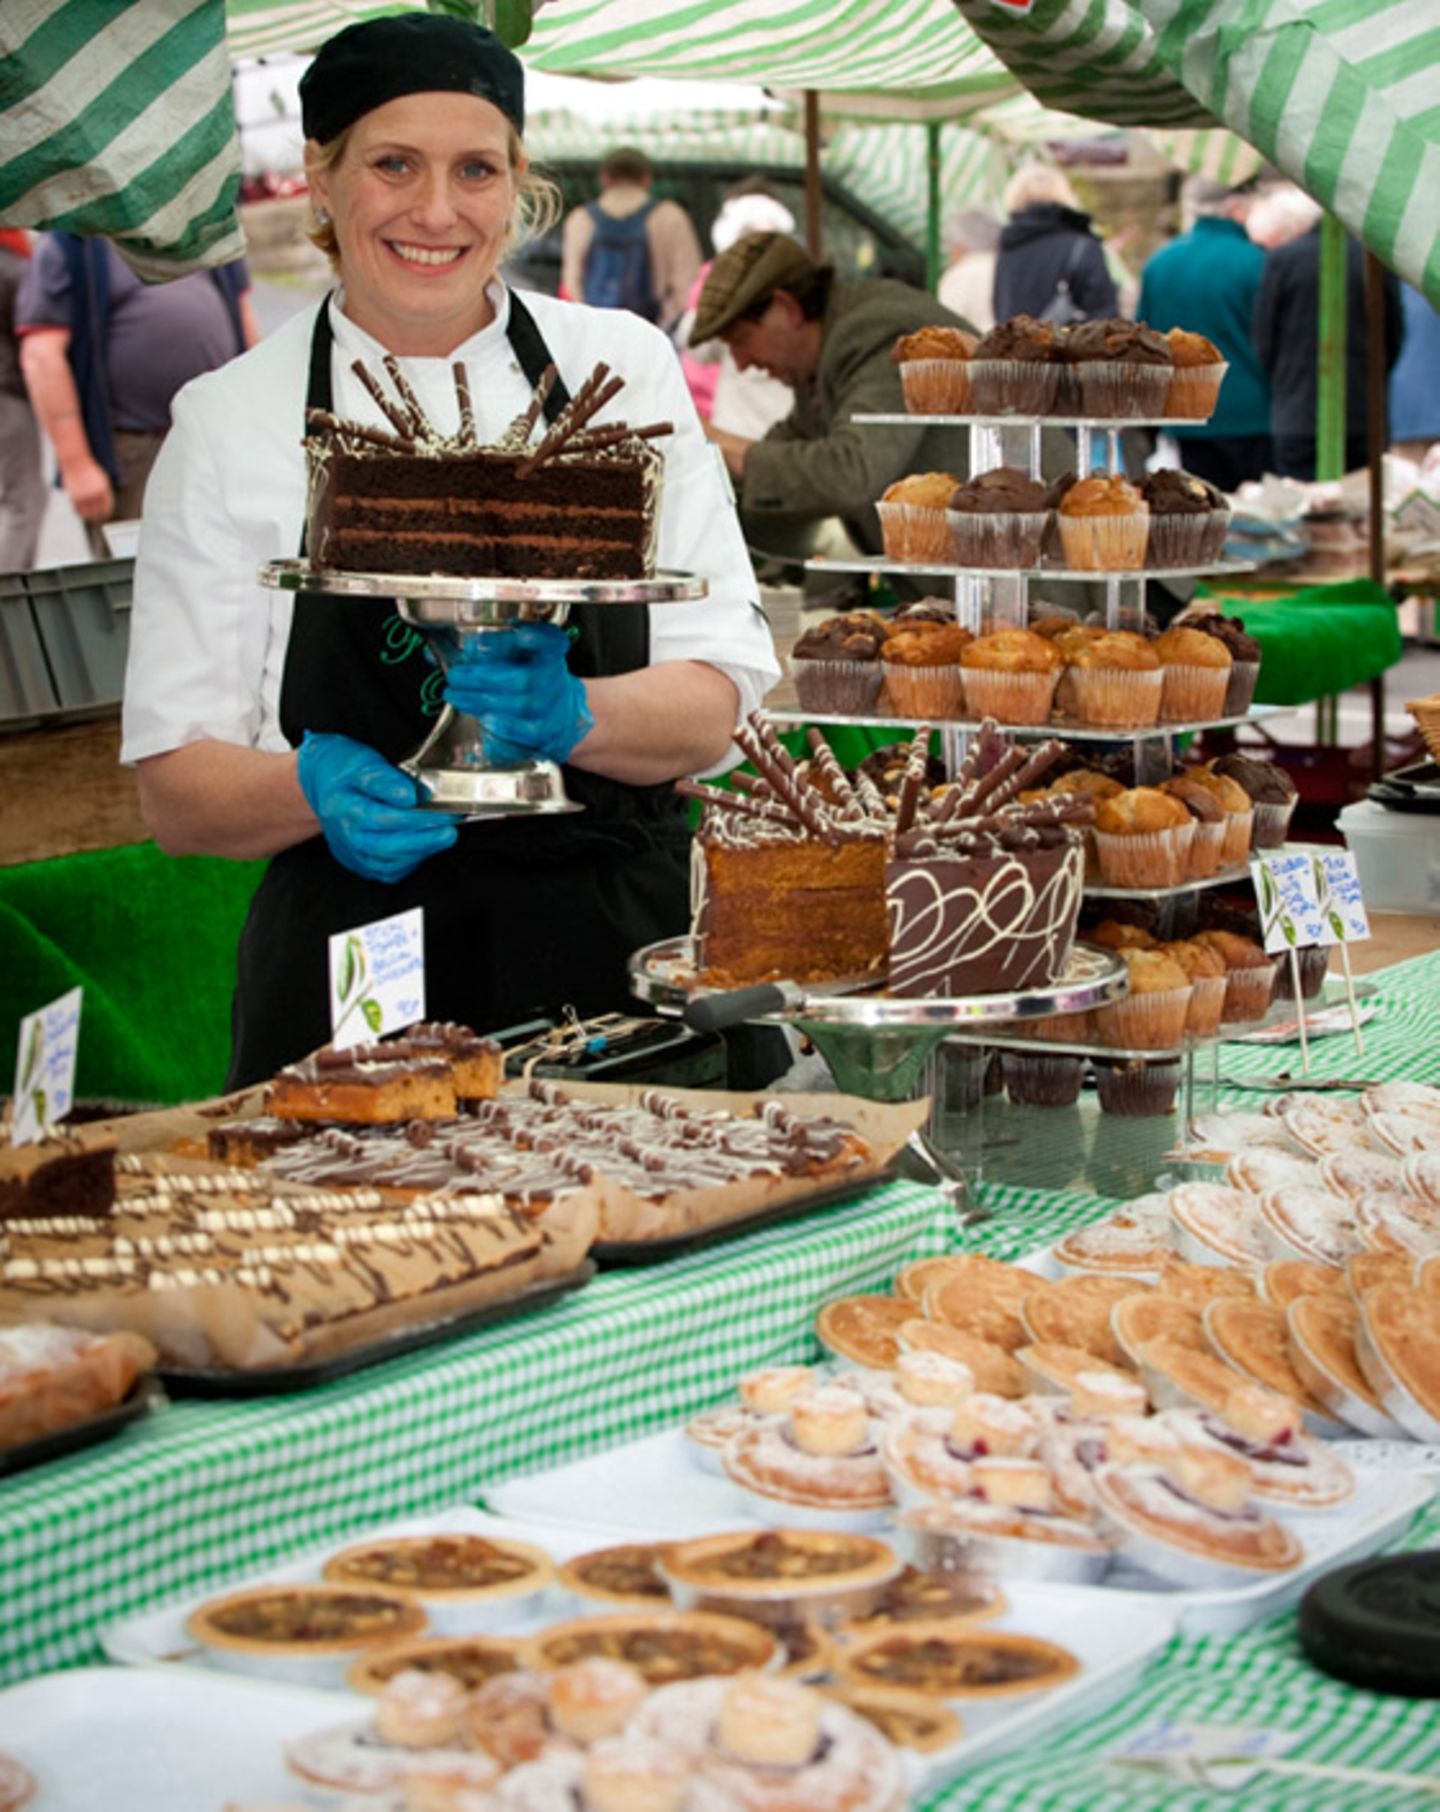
<point x="581" y="503"/>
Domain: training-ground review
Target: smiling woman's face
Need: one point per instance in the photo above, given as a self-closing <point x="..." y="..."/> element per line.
<point x="420" y="202"/>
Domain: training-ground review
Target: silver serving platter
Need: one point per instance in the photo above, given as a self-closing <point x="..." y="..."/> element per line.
<point x="664" y="975"/>
<point x="483" y="602"/>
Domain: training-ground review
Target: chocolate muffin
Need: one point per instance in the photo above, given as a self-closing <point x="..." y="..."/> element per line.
<point x="836" y="664"/>
<point x="999" y="519"/>
<point x="1015" y="369"/>
<point x="1188" y="520"/>
<point x="1123" y="367"/>
<point x="1272" y="796"/>
<point x="1244" y="659"/>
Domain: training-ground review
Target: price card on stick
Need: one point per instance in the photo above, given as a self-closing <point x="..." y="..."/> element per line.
<point x="45" y="1067"/>
<point x="377" y="978"/>
<point x="1342" y="906"/>
<point x="1290" y="917"/>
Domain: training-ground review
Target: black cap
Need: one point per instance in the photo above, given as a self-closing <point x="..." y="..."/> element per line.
<point x="366" y="65"/>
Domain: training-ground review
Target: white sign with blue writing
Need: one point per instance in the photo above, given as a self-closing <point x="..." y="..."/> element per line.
<point x="1341" y="902"/>
<point x="1224" y="1758"/>
<point x="1290" y="913"/>
<point x="45" y="1067"/>
<point x="377" y="978"/>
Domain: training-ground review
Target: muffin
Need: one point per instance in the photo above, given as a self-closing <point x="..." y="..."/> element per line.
<point x="1152" y="1015"/>
<point x="1199" y="370"/>
<point x="1234" y="801"/>
<point x="1124" y="369"/>
<point x="1058" y="1028"/>
<point x="1085" y="783"/>
<point x="1272" y="796"/>
<point x="998" y="519"/>
<point x="1015" y="370"/>
<point x="1249" y="975"/>
<point x="922" y="671"/>
<point x="1113" y="680"/>
<point x="1136" y="1086"/>
<point x="1051" y="619"/>
<point x="885" y="769"/>
<point x="836" y="664"/>
<point x="1313" y="962"/>
<point x="913" y="523"/>
<point x="1207" y="846"/>
<point x="1044" y="1079"/>
<point x="1188" y="520"/>
<point x="1103" y="525"/>
<point x="1196" y="672"/>
<point x="1208" y="981"/>
<point x="1011" y="676"/>
<point x="1142" y="839"/>
<point x="1117" y="934"/>
<point x="1244" y="659"/>
<point x="935" y="369"/>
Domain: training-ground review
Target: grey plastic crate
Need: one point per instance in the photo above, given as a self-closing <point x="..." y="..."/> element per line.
<point x="26" y="692"/>
<point x="83" y="616"/>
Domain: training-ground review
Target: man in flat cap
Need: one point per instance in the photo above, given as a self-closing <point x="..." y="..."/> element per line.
<point x="831" y="342"/>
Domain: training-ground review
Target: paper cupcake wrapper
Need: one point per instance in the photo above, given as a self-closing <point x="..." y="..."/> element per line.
<point x="1105" y="544"/>
<point x="1111" y="390"/>
<point x="936" y="386"/>
<point x="1194" y="391"/>
<point x="1207" y="850"/>
<point x="1193" y="693"/>
<point x="1137" y="1088"/>
<point x="1010" y="698"/>
<point x="1145" y="858"/>
<point x="1240" y="693"/>
<point x="1058" y="1028"/>
<point x="1145" y="1022"/>
<point x="1008" y="538"/>
<point x="1314" y="967"/>
<point x="911" y="532"/>
<point x="930" y="693"/>
<point x="1217" y="531"/>
<point x="1248" y="993"/>
<point x="1042" y="1081"/>
<point x="823" y="685"/>
<point x="1114" y="698"/>
<point x="1272" y="821"/>
<point x="1185" y="540"/>
<point x="1013" y="387"/>
<point x="1207" y="1003"/>
<point x="1239" y="834"/>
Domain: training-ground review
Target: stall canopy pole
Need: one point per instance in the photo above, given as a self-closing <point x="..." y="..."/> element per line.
<point x="1376" y="426"/>
<point x="932" y="206"/>
<point x="812" y="174"/>
<point x="1330" y="379"/>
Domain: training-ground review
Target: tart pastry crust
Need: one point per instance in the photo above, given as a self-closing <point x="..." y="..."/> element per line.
<point x="863" y="1329"/>
<point x="628" y="1573"/>
<point x="1148" y="1502"/>
<point x="979" y="1665"/>
<point x="305" y="1619"/>
<point x="445" y="1566"/>
<point x="472" y="1660"/>
<point x="665" y="1645"/>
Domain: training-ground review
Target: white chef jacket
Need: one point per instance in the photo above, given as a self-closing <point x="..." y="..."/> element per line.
<point x="228" y="493"/>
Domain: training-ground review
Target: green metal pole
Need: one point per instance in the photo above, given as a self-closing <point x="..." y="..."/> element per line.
<point x="933" y="266"/>
<point x="1330" y="387"/>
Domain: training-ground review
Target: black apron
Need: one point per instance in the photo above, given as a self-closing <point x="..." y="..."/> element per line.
<point x="523" y="915"/>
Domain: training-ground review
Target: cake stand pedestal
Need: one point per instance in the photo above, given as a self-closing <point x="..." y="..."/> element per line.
<point x="875" y="1045"/>
<point x="455" y="773"/>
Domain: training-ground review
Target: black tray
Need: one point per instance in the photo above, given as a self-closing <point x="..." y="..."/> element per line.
<point x="1415" y="788"/>
<point x="265" y="1381"/>
<point x="631" y="1252"/>
<point x="143" y="1394"/>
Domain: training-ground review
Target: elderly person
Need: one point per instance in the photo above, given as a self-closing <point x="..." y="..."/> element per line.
<point x="1051" y="264"/>
<point x="262" y="729"/>
<point x="967" y="284"/>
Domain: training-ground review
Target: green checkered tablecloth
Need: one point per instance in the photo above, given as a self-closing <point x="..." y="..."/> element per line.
<point x="207" y="1490"/>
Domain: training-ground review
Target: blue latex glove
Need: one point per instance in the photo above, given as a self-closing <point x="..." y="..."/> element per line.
<point x="368" y="809"/>
<point x="530" y="705"/>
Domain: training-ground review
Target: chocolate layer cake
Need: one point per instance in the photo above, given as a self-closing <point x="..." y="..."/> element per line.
<point x="579" y="504"/>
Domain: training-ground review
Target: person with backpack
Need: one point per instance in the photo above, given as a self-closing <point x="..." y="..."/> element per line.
<point x="1050" y="264"/>
<point x="627" y="249"/>
<point x="103" y="355"/>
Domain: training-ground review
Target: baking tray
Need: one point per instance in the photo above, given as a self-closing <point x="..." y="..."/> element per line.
<point x="271" y="1380"/>
<point x="143" y="1396"/>
<point x="630" y="1252"/>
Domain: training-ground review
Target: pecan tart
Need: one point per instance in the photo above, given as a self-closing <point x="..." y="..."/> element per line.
<point x="918" y="1595"/>
<point x="628" y="1573"/>
<point x="302" y="1631"/>
<point x="461" y="1580"/>
<point x="469" y="1660"/>
<point x="1398" y="1346"/>
<point x="664" y="1645"/>
<point x="909" y="1720"/>
<point x="964" y="1666"/>
<point x="1191" y="1521"/>
<point x="817" y="1567"/>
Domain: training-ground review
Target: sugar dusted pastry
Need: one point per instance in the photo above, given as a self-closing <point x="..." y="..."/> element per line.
<point x="351" y="1758"/>
<point x="1016" y="1484"/>
<point x="631" y="1776"/>
<point x="829" y="1420"/>
<point x="1213" y="1222"/>
<point x="1190" y="1520"/>
<point x="933" y="1381"/>
<point x="819" y="1456"/>
<point x="1264" y="1429"/>
<point x="986" y="1424"/>
<point x="594" y="1698"/>
<point x="420" y="1710"/>
<point x="771" y="1391"/>
<point x="992" y="1366"/>
<point x="1102" y="1393"/>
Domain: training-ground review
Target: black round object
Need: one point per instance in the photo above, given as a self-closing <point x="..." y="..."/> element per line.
<point x="1376" y="1624"/>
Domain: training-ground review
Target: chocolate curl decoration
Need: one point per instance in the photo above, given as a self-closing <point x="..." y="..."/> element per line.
<point x="872" y="800"/>
<point x="831" y="771"/>
<point x="326" y="423"/>
<point x="746" y="805"/>
<point x="592" y="396"/>
<point x="462" y="397"/>
<point x="593" y="440"/>
<point x="1041" y="761"/>
<point x="535" y="407"/>
<point x="752" y="783"/>
<point x="983" y="790"/>
<point x="393" y="414"/>
<point x="748" y="738"/>
<point x="420" y="424"/>
<point x="912" y="779"/>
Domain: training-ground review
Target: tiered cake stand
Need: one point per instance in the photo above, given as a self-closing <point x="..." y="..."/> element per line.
<point x="451" y="765"/>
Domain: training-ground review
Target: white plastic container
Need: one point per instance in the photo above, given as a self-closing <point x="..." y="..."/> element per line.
<point x="1397" y="855"/>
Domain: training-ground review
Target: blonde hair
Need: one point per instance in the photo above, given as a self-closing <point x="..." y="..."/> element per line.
<point x="538" y="201"/>
<point x="1038" y="182"/>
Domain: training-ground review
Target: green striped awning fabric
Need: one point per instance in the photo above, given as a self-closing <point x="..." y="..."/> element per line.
<point x="266" y="28"/>
<point x="1217" y="154"/>
<point x="1342" y="95"/>
<point x="117" y="119"/>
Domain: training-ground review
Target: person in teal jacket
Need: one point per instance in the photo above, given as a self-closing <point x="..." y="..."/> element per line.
<point x="1206" y="281"/>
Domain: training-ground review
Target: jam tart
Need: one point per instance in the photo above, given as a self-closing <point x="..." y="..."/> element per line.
<point x="1007" y="1540"/>
<point x="664" y="1645"/>
<point x="518" y="1717"/>
<point x="821" y="1457"/>
<point x="1192" y="1522"/>
<point x="1287" y="1466"/>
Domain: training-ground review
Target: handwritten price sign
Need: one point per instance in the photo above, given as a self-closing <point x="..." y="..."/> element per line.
<point x="45" y="1067"/>
<point x="377" y="978"/>
<point x="1291" y="916"/>
<point x="1341" y="902"/>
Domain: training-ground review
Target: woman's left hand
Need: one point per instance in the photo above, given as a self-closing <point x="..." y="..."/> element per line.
<point x="528" y="702"/>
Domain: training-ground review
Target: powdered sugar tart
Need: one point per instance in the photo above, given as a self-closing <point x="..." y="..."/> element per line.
<point x="1322" y="1333"/>
<point x="1287" y="1467"/>
<point x="354" y="1758"/>
<point x="1135" y="1240"/>
<point x="1416" y="1100"/>
<point x="1408" y="1225"/>
<point x="1213" y="1137"/>
<point x="1361" y="1171"/>
<point x="1422" y="1175"/>
<point x="1192" y="1522"/>
<point x="820" y="1458"/>
<point x="927" y="1458"/>
<point x="1309" y="1224"/>
<point x="1216" y="1224"/>
<point x="1039" y="1540"/>
<point x="774" y="1746"/>
<point x="1405" y="1134"/>
<point x="1398" y="1346"/>
<point x="1323" y="1124"/>
<point x="1266" y="1168"/>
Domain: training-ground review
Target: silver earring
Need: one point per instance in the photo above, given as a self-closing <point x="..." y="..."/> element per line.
<point x="321" y="217"/>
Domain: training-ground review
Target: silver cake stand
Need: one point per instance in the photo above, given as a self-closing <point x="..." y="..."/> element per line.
<point x="454" y="771"/>
<point x="875" y="1044"/>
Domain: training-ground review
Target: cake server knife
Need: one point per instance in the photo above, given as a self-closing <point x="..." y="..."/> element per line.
<point x="733" y="1007"/>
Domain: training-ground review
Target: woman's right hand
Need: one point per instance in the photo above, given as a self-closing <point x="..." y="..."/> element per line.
<point x="368" y="810"/>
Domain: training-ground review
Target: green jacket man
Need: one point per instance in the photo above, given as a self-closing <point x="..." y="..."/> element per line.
<point x="831" y="342"/>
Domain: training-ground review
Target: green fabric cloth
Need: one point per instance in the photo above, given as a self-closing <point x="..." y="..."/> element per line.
<point x="1320" y="640"/>
<point x="151" y="938"/>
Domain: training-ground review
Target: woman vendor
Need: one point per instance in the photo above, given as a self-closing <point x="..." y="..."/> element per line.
<point x="265" y="728"/>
